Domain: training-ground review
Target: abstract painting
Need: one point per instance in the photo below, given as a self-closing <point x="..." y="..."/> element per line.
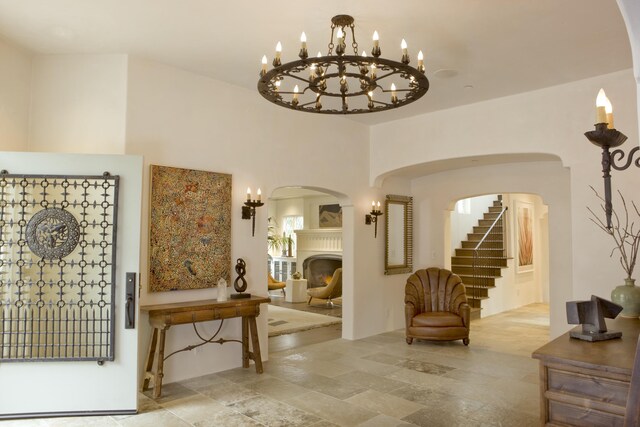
<point x="524" y="236"/>
<point x="189" y="229"/>
<point x="330" y="216"/>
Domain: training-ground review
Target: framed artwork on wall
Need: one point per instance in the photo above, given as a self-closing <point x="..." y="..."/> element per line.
<point x="524" y="236"/>
<point x="189" y="229"/>
<point x="330" y="216"/>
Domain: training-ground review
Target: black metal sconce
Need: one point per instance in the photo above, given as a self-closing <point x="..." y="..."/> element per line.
<point x="372" y="217"/>
<point x="606" y="137"/>
<point x="249" y="209"/>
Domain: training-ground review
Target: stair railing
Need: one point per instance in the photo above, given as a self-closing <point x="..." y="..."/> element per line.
<point x="491" y="245"/>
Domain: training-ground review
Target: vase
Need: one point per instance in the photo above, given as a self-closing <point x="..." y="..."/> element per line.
<point x="628" y="296"/>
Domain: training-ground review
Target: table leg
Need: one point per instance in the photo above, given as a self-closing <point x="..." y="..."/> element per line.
<point x="150" y="356"/>
<point x="245" y="342"/>
<point x="255" y="342"/>
<point x="157" y="381"/>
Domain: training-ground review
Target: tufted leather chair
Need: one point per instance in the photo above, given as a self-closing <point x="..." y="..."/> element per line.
<point x="436" y="306"/>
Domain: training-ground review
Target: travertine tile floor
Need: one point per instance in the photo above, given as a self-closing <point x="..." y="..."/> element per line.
<point x="377" y="381"/>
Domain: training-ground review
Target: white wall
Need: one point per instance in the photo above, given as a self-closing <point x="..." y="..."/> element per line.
<point x="550" y="121"/>
<point x="463" y="223"/>
<point x="78" y="103"/>
<point x="311" y="210"/>
<point x="15" y="86"/>
<point x="185" y="120"/>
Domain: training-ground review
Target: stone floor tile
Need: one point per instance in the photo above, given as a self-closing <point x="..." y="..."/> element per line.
<point x="429" y="417"/>
<point x="273" y="413"/>
<point x="276" y="388"/>
<point x="228" y="418"/>
<point x="154" y="419"/>
<point x="171" y="391"/>
<point x="384" y="403"/>
<point x="385" y="421"/>
<point x="228" y="394"/>
<point x="194" y="408"/>
<point x="370" y="381"/>
<point x="81" y="422"/>
<point x="331" y="409"/>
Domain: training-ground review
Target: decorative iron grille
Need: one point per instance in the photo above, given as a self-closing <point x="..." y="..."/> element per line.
<point x="57" y="267"/>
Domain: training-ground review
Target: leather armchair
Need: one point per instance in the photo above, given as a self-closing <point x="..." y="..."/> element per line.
<point x="436" y="306"/>
<point x="329" y="292"/>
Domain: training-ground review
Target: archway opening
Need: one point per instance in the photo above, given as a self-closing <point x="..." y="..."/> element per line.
<point x="499" y="246"/>
<point x="305" y="262"/>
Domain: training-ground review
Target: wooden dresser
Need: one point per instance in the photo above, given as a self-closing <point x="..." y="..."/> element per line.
<point x="587" y="383"/>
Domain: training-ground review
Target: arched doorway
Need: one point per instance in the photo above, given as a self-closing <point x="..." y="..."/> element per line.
<point x="304" y="255"/>
<point x="499" y="246"/>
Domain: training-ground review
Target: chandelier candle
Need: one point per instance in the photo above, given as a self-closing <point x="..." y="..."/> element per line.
<point x="343" y="83"/>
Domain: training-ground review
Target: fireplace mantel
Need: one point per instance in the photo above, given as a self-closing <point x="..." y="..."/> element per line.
<point x="322" y="240"/>
<point x="317" y="241"/>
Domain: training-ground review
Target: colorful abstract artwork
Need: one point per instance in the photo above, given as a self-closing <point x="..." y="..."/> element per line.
<point x="189" y="229"/>
<point x="330" y="216"/>
<point x="524" y="236"/>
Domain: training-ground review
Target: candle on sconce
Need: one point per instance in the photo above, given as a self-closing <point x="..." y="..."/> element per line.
<point x="378" y="205"/>
<point x="303" y="40"/>
<point x="248" y="194"/>
<point x="601" y="112"/>
<point x="376" y="39"/>
<point x="259" y="195"/>
<point x="609" y="110"/>
<point x="278" y="50"/>
<point x="403" y="46"/>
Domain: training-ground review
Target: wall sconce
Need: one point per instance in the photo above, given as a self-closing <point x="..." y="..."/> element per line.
<point x="606" y="136"/>
<point x="249" y="209"/>
<point x="372" y="217"/>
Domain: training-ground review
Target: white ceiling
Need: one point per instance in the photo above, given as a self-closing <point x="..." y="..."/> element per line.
<point x="500" y="47"/>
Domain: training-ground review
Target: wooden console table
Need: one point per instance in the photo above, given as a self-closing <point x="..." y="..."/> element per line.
<point x="587" y="383"/>
<point x="163" y="316"/>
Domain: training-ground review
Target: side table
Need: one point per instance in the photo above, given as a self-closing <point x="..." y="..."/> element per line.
<point x="296" y="290"/>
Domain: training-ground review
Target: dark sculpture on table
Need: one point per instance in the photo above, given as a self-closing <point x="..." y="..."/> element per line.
<point x="241" y="270"/>
<point x="591" y="315"/>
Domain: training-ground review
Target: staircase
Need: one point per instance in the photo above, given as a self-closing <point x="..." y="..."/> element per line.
<point x="491" y="259"/>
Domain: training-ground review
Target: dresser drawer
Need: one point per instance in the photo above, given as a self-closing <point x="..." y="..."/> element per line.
<point x="567" y="414"/>
<point x="590" y="386"/>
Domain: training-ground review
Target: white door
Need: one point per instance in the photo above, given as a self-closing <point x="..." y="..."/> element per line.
<point x="34" y="380"/>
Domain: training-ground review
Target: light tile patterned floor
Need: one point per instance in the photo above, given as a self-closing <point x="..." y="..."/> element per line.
<point x="377" y="381"/>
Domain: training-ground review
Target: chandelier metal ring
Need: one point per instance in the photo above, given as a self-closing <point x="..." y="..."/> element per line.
<point x="342" y="84"/>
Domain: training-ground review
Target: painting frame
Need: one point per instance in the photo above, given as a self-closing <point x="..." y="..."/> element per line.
<point x="330" y="216"/>
<point x="189" y="229"/>
<point x="525" y="236"/>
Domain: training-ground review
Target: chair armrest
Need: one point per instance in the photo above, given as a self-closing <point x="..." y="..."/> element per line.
<point x="465" y="313"/>
<point x="409" y="313"/>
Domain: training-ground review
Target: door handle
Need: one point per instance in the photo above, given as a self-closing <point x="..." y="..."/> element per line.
<point x="130" y="304"/>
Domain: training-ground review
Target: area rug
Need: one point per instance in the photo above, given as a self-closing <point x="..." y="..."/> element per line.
<point x="286" y="321"/>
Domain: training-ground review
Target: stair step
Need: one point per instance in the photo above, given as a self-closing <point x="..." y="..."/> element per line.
<point x="474" y="303"/>
<point x="476" y="292"/>
<point x="475" y="236"/>
<point x="482" y="252"/>
<point x="487" y="244"/>
<point x="494" y="209"/>
<point x="491" y="215"/>
<point x="486" y="262"/>
<point x="484" y="271"/>
<point x="486" y="222"/>
<point x="472" y="280"/>
<point x="484" y="228"/>
<point x="497" y="203"/>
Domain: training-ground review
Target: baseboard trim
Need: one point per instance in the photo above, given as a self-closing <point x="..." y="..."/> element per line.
<point x="67" y="414"/>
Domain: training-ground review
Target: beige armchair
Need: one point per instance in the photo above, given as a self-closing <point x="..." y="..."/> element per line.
<point x="436" y="306"/>
<point x="331" y="291"/>
<point x="273" y="285"/>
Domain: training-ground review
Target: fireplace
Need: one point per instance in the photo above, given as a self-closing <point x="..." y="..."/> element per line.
<point x="318" y="269"/>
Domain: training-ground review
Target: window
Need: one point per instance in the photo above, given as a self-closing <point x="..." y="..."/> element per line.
<point x="464" y="206"/>
<point x="289" y="224"/>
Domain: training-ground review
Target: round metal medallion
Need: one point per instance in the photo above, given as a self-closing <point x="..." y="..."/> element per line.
<point x="52" y="233"/>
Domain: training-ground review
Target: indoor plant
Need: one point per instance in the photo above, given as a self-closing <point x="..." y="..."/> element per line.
<point x="626" y="236"/>
<point x="275" y="241"/>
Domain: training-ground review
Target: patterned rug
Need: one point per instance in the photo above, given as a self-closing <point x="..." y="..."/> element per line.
<point x="286" y="321"/>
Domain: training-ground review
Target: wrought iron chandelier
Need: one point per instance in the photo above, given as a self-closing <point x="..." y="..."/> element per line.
<point x="338" y="83"/>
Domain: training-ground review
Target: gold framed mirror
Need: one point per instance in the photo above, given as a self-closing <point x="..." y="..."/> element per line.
<point x="398" y="254"/>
